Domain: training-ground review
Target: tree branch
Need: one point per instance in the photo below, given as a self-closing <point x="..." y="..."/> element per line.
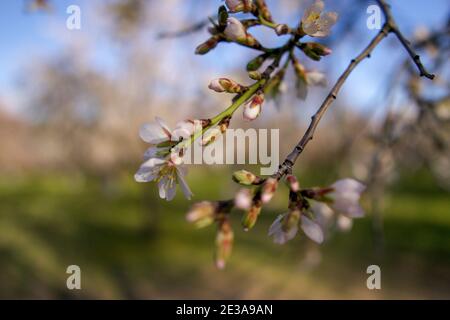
<point x="406" y="44"/>
<point x="286" y="167"/>
<point x="389" y="26"/>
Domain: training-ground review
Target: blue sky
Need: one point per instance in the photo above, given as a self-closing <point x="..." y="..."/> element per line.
<point x="26" y="35"/>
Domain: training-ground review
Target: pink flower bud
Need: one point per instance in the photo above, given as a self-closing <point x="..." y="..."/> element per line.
<point x="202" y="213"/>
<point x="268" y="189"/>
<point x="281" y="29"/>
<point x="216" y="86"/>
<point x="224" y="244"/>
<point x="293" y="183"/>
<point x="207" y="46"/>
<point x="251" y="216"/>
<point x="225" y="85"/>
<point x="243" y="199"/>
<point x="235" y="30"/>
<point x="253" y="108"/>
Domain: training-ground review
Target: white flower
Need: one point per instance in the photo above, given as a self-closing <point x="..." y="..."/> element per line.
<point x="167" y="172"/>
<point x="344" y="223"/>
<point x="326" y="217"/>
<point x="155" y="133"/>
<point x="285" y="227"/>
<point x="316" y="78"/>
<point x="345" y="196"/>
<point x="316" y="24"/>
<point x="243" y="199"/>
<point x="323" y="214"/>
<point x="185" y="129"/>
<point x="311" y="78"/>
<point x="307" y="78"/>
<point x="312" y="229"/>
<point x="235" y="30"/>
<point x="163" y="164"/>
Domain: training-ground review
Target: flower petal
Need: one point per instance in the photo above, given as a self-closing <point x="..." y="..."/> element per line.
<point x="183" y="184"/>
<point x="316" y="78"/>
<point x="344" y="223"/>
<point x="313" y="11"/>
<point x="153" y="133"/>
<point x="327" y="21"/>
<point x="183" y="129"/>
<point x="348" y="185"/>
<point x="312" y="229"/>
<point x="162" y="124"/>
<point x="145" y="174"/>
<point x="276" y="225"/>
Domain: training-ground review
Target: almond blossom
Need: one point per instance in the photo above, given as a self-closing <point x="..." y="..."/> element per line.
<point x="345" y="196"/>
<point x="285" y="227"/>
<point x="162" y="161"/>
<point x="318" y="24"/>
<point x="307" y="78"/>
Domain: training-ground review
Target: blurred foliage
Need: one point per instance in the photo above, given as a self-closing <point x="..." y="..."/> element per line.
<point x="129" y="244"/>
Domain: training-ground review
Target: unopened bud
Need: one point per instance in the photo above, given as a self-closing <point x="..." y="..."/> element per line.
<point x="300" y="70"/>
<point x="256" y="63"/>
<point x="235" y="31"/>
<point x="224" y="244"/>
<point x="268" y="189"/>
<point x="208" y="45"/>
<point x="202" y="213"/>
<point x="237" y="5"/>
<point x="294" y="185"/>
<point x="274" y="85"/>
<point x="210" y="136"/>
<point x="243" y="199"/>
<point x="315" y="50"/>
<point x="251" y="216"/>
<point x="225" y="85"/>
<point x="255" y="75"/>
<point x="281" y="29"/>
<point x="224" y="124"/>
<point x="253" y="108"/>
<point x="245" y="177"/>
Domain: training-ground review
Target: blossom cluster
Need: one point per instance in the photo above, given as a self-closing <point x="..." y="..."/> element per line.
<point x="163" y="162"/>
<point x="311" y="210"/>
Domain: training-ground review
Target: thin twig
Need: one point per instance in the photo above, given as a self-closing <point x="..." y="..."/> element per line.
<point x="286" y="167"/>
<point x="406" y="44"/>
<point x="389" y="26"/>
<point x="183" y="32"/>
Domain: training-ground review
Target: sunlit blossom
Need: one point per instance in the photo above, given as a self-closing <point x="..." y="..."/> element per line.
<point x="318" y="24"/>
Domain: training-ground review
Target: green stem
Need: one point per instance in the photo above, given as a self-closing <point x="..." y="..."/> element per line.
<point x="228" y="112"/>
<point x="267" y="23"/>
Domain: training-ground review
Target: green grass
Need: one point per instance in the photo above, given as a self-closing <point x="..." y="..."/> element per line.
<point x="130" y="244"/>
